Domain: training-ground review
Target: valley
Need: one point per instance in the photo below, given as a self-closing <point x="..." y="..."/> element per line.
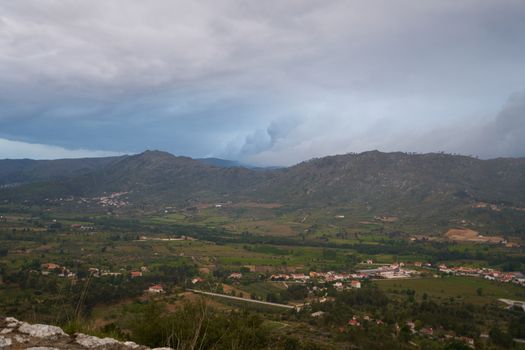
<point x="317" y="276"/>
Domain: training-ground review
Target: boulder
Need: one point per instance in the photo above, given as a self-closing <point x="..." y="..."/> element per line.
<point x="21" y="335"/>
<point x="41" y="330"/>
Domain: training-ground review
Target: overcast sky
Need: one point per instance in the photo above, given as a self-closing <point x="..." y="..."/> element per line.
<point x="264" y="82"/>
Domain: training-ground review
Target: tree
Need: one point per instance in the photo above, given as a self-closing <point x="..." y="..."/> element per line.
<point x="405" y="334"/>
<point x="517" y="327"/>
<point x="456" y="345"/>
<point x="329" y="254"/>
<point x="291" y="344"/>
<point x="498" y="337"/>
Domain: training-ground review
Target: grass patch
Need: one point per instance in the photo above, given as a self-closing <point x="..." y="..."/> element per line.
<point x="465" y="288"/>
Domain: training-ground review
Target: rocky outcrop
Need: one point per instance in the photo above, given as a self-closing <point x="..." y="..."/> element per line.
<point x="15" y="334"/>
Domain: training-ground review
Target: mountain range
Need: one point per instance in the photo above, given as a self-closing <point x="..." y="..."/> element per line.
<point x="393" y="182"/>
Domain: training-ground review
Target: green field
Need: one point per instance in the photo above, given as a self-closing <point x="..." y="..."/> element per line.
<point x="464" y="288"/>
<point x="257" y="242"/>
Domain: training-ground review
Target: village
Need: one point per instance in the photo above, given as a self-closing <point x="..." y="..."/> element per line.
<point x="338" y="280"/>
<point x="486" y="273"/>
<point x="320" y="287"/>
<point x="392" y="271"/>
<point x="113" y="199"/>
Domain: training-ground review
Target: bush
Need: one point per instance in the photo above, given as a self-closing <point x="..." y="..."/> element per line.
<point x="196" y="325"/>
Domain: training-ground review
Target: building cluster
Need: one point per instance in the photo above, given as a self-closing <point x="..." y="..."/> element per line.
<point x="82" y="227"/>
<point x="60" y="271"/>
<point x="235" y="276"/>
<point x="112" y="200"/>
<point x="486" y="273"/>
<point x="96" y="272"/>
<point x="340" y="281"/>
<point x="429" y="331"/>
<point x="356" y="321"/>
<point x="197" y="280"/>
<point x="445" y="335"/>
<point x="425" y="331"/>
<point x="389" y="272"/>
<point x="155" y="289"/>
<point x="386" y="271"/>
<point x="320" y="277"/>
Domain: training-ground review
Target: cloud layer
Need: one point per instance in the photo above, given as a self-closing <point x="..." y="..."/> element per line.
<point x="268" y="82"/>
<point x="18" y="150"/>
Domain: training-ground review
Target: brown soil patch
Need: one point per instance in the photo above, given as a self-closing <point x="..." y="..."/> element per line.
<point x="228" y="289"/>
<point x="468" y="235"/>
<point x="204" y="270"/>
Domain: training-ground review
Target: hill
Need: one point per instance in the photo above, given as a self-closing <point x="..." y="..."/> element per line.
<point x="382" y="182"/>
<point x="399" y="178"/>
<point x="17" y="171"/>
<point x="152" y="176"/>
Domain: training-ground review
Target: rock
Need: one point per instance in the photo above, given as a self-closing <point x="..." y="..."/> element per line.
<point x="131" y="344"/>
<point x="21" y="338"/>
<point x="5" y="342"/>
<point x="21" y="335"/>
<point x="12" y="322"/>
<point x="41" y="330"/>
<point x="90" y="341"/>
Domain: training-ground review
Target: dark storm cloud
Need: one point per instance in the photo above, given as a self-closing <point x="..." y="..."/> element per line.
<point x="268" y="82"/>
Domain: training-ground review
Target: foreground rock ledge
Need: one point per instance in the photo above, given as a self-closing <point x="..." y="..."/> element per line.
<point x="15" y="334"/>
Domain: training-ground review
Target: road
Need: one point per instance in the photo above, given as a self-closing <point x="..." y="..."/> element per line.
<point x="241" y="299"/>
<point x="512" y="303"/>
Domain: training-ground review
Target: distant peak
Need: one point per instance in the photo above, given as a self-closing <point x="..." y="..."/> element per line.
<point x="155" y="152"/>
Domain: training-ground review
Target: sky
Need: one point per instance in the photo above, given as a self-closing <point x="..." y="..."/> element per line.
<point x="263" y="82"/>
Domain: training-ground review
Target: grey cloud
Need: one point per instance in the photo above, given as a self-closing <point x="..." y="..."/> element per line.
<point x="499" y="136"/>
<point x="505" y="135"/>
<point x="15" y="150"/>
<point x="210" y="77"/>
<point x="262" y="139"/>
